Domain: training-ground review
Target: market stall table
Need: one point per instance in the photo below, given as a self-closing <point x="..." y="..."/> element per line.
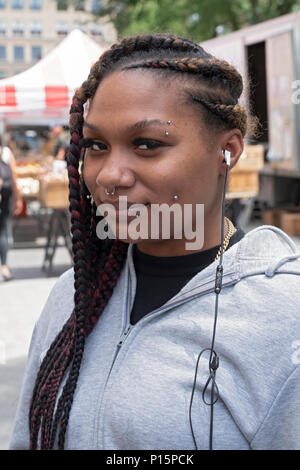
<point x="53" y="195"/>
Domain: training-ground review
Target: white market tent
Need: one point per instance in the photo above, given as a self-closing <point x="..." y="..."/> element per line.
<point x="44" y="92"/>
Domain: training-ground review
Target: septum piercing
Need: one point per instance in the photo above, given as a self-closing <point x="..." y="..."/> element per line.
<point x="110" y="193"/>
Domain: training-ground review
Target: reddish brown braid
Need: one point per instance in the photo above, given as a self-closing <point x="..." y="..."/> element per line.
<point x="67" y="349"/>
<point x="98" y="263"/>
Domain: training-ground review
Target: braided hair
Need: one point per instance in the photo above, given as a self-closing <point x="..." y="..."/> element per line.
<point x="215" y="88"/>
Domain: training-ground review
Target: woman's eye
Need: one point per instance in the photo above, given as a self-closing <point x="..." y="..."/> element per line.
<point x="97" y="146"/>
<point x="92" y="144"/>
<point x="145" y="144"/>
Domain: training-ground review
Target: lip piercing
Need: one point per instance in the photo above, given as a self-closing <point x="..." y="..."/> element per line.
<point x="166" y="132"/>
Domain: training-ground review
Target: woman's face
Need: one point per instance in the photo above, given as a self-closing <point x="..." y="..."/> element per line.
<point x="127" y="120"/>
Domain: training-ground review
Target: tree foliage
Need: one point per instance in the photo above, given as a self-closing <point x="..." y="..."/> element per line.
<point x="198" y="19"/>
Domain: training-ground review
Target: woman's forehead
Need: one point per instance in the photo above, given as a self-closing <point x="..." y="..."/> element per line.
<point x="136" y="96"/>
<point x="135" y="89"/>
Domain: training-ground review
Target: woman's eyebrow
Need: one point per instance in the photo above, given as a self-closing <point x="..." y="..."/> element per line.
<point x="146" y="123"/>
<point x="138" y="125"/>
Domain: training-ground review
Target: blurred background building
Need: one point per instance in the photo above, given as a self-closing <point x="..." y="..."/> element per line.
<point x="30" y="29"/>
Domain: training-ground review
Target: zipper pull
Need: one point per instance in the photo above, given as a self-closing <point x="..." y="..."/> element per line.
<point x="123" y="336"/>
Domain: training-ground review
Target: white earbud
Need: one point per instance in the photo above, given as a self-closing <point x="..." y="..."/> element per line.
<point x="227" y="157"/>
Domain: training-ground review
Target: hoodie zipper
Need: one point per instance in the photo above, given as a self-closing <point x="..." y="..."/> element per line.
<point x="124" y="335"/>
<point x="129" y="327"/>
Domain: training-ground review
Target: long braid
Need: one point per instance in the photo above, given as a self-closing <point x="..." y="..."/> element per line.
<point x="58" y="368"/>
<point x="69" y="345"/>
<point x="98" y="263"/>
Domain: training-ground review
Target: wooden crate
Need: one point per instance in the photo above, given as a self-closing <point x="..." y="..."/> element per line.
<point x="286" y="218"/>
<point x="252" y="159"/>
<point x="54" y="194"/>
<point x="240" y="182"/>
<point x="272" y="216"/>
<point x="243" y="178"/>
<point x="290" y="223"/>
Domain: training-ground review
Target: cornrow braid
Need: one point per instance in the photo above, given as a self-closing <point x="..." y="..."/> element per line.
<point x="207" y="67"/>
<point x="98" y="263"/>
<point x="235" y="115"/>
<point x="141" y="44"/>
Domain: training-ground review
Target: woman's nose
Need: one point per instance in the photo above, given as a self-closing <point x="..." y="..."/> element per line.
<point x="115" y="172"/>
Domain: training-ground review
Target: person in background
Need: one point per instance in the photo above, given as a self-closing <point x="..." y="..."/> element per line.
<point x="9" y="206"/>
<point x="61" y="143"/>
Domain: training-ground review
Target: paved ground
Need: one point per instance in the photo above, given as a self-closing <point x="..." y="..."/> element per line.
<point x="21" y="302"/>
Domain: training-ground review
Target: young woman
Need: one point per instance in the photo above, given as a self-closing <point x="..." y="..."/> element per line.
<point x="116" y="357"/>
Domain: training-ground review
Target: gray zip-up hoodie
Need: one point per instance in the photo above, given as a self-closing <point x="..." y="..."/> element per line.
<point x="135" y="382"/>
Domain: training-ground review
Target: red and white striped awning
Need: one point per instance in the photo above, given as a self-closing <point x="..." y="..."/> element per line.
<point x="50" y="84"/>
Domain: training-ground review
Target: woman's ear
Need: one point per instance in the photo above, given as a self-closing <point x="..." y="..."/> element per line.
<point x="233" y="143"/>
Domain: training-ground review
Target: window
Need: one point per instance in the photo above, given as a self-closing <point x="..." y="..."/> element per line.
<point x="96" y="6"/>
<point x="2" y="52"/>
<point x="62" y="4"/>
<point x="79" y="5"/>
<point x="36" y="52"/>
<point x="2" y="28"/>
<point x="19" y="53"/>
<point x="17" y="4"/>
<point x="96" y="29"/>
<point x="80" y="26"/>
<point x="2" y="4"/>
<point x="3" y="74"/>
<point x="35" y="4"/>
<point x="62" y="28"/>
<point x="35" y="28"/>
<point x="18" y="28"/>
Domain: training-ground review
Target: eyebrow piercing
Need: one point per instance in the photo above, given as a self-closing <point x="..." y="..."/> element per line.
<point x="169" y="123"/>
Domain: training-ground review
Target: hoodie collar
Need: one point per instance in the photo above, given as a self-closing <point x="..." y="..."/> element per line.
<point x="264" y="250"/>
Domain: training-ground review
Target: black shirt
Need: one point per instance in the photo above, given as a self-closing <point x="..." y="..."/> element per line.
<point x="160" y="278"/>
